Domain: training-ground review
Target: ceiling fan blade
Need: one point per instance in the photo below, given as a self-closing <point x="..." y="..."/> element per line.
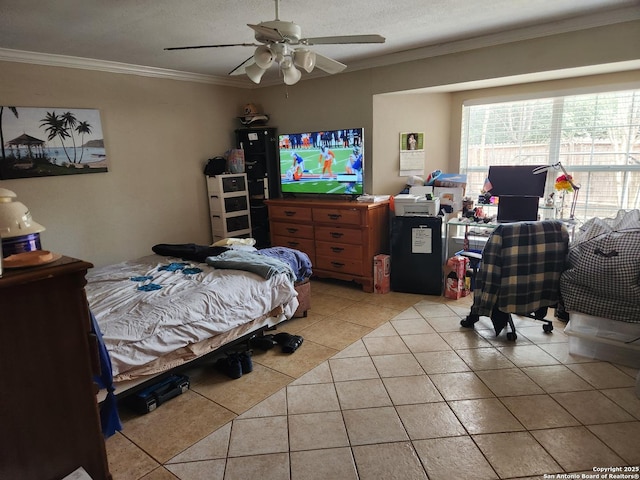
<point x="343" y="39"/>
<point x="216" y="46"/>
<point x="329" y="65"/>
<point x="239" y="70"/>
<point x="268" y="33"/>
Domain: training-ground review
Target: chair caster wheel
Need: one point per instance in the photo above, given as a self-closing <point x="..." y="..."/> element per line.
<point x="547" y="328"/>
<point x="511" y="336"/>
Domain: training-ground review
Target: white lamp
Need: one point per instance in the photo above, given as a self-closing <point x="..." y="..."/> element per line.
<point x="576" y="187"/>
<point x="254" y="72"/>
<point x="263" y="57"/>
<point x="290" y="73"/>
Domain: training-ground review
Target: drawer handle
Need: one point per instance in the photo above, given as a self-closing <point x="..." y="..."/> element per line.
<point x="293" y="244"/>
<point x="337" y="264"/>
<point x="337" y="249"/>
<point x="334" y="216"/>
<point x="336" y="234"/>
<point x="292" y="230"/>
<point x="289" y="213"/>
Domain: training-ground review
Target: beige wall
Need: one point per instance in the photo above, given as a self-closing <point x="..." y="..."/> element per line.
<point x="160" y="132"/>
<point x="418" y="112"/>
<point x="158" y="136"/>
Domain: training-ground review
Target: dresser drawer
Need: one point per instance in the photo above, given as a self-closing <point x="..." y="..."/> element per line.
<point x="304" y="244"/>
<point x="340" y="235"/>
<point x="342" y="265"/>
<point x="297" y="230"/>
<point x="290" y="213"/>
<point x="342" y="216"/>
<point x="231" y="204"/>
<point x="339" y="251"/>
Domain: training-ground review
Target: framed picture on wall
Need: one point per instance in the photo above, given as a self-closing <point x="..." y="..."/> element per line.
<point x="43" y="142"/>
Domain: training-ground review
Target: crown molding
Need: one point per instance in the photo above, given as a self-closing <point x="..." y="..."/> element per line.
<point x="53" y="60"/>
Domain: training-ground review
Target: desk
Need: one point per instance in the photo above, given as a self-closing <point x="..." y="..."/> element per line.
<point x="455" y="222"/>
<point x="488" y="228"/>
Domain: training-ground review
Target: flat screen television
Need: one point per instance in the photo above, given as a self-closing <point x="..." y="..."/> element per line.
<point x="329" y="162"/>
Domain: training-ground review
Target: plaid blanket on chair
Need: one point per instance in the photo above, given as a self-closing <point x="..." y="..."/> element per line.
<point x="521" y="267"/>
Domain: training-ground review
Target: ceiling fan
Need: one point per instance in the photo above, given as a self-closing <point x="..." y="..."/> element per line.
<point x="281" y="42"/>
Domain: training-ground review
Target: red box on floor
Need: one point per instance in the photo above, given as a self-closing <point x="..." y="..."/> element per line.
<point x="455" y="286"/>
<point x="382" y="273"/>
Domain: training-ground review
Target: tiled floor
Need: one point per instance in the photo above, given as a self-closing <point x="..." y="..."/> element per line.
<point x="391" y="387"/>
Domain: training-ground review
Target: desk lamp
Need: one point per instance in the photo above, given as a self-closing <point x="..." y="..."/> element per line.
<point x="568" y="178"/>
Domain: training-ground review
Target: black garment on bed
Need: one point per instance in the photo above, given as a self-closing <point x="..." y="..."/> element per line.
<point x="188" y="251"/>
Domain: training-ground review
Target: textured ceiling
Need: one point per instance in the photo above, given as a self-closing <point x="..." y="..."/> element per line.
<point x="135" y="32"/>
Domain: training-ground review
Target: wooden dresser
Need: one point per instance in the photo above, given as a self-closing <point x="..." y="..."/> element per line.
<point x="340" y="237"/>
<point x="48" y="412"/>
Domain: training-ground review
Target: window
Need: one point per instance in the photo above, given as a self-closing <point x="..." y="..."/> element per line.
<point x="595" y="137"/>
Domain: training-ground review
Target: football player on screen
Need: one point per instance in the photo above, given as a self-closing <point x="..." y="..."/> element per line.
<point x="354" y="168"/>
<point x="297" y="166"/>
<point x="327" y="158"/>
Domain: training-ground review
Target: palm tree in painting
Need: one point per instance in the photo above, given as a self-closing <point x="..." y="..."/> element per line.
<point x="56" y="128"/>
<point x="70" y="121"/>
<point x="15" y="112"/>
<point x="82" y="128"/>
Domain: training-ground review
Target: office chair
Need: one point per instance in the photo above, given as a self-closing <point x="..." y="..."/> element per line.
<point x="519" y="274"/>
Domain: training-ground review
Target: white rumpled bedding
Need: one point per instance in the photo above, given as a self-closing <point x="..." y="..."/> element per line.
<point x="138" y="327"/>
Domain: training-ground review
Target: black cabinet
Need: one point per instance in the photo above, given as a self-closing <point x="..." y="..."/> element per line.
<point x="416" y="255"/>
<point x="260" y="147"/>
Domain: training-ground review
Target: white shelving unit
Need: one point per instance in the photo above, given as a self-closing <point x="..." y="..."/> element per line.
<point x="229" y="206"/>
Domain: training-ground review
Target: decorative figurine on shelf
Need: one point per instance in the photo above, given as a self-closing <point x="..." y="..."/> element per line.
<point x="550" y="202"/>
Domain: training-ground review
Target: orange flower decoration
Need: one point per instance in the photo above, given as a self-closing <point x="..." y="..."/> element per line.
<point x="563" y="183"/>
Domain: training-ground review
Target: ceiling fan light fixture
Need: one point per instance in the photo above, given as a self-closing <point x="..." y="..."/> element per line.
<point x="263" y="57"/>
<point x="254" y="72"/>
<point x="305" y="59"/>
<point x="291" y="74"/>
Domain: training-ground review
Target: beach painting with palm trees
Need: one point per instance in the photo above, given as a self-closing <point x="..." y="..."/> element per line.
<point x="42" y="142"/>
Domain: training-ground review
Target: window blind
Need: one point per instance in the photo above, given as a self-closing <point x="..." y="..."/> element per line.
<point x="595" y="136"/>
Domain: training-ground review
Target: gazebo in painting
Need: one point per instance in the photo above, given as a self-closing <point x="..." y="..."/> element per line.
<point x="33" y="145"/>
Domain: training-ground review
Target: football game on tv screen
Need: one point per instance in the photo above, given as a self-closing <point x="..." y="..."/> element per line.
<point x="328" y="162"/>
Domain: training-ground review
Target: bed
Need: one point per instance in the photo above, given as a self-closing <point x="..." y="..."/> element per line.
<point x="159" y="312"/>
